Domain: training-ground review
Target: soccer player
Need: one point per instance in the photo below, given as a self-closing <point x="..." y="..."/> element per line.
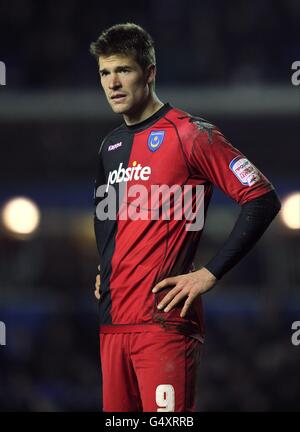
<point x="151" y="319"/>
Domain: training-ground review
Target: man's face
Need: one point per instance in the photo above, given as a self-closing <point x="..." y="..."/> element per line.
<point x="124" y="83"/>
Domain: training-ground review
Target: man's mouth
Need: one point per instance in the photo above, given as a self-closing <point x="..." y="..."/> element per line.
<point x="118" y="97"/>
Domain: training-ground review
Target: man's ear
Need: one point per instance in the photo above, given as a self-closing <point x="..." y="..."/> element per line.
<point x="151" y="73"/>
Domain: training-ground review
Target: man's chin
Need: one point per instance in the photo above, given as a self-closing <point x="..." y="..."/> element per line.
<point x="119" y="109"/>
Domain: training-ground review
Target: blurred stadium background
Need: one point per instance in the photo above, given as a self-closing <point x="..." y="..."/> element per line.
<point x="228" y="61"/>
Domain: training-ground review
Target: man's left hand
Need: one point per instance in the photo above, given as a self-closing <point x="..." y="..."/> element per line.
<point x="189" y="285"/>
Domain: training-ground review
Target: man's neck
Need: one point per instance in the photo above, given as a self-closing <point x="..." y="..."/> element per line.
<point x="150" y="108"/>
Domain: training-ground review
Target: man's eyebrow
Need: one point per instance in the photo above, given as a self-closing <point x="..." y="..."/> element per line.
<point x="117" y="68"/>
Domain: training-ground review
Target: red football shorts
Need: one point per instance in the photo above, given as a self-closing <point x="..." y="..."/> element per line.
<point x="148" y="371"/>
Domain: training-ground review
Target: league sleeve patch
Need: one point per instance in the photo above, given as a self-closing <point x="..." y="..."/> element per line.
<point x="245" y="171"/>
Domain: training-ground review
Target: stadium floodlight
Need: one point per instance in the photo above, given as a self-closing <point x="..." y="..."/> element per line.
<point x="290" y="213"/>
<point x="21" y="217"/>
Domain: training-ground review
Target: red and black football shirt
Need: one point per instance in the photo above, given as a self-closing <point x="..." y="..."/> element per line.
<point x="169" y="148"/>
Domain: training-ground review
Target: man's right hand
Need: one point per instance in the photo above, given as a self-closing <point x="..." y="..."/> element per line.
<point x="97" y="291"/>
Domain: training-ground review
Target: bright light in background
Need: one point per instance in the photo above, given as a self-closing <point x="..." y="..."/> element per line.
<point x="21" y="216"/>
<point x="290" y="213"/>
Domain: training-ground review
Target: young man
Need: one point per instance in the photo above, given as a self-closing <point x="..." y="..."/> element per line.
<point x="151" y="321"/>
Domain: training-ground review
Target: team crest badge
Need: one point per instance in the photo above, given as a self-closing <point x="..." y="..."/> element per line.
<point x="155" y="140"/>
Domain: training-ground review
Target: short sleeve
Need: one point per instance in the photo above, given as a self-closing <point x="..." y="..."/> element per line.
<point x="100" y="175"/>
<point x="215" y="159"/>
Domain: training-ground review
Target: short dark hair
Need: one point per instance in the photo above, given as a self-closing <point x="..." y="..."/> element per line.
<point x="125" y="39"/>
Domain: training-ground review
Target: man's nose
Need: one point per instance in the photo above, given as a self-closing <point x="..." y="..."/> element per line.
<point x="114" y="82"/>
